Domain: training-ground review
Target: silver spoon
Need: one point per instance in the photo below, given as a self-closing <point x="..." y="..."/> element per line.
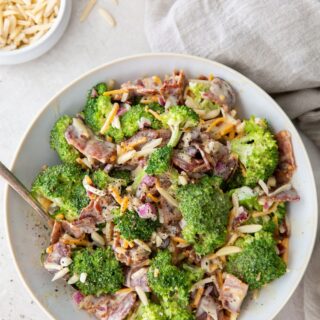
<point x="17" y="185"/>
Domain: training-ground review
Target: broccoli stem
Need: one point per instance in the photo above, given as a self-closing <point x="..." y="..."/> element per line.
<point x="175" y="136"/>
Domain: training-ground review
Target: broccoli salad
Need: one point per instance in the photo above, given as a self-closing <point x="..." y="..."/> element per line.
<point x="166" y="205"/>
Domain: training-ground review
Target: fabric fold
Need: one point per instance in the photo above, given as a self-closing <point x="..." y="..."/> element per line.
<point x="274" y="43"/>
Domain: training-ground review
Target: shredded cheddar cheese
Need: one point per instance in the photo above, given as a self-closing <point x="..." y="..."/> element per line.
<point x="49" y="249"/>
<point x="197" y="298"/>
<point x="157" y="80"/>
<point x="179" y="240"/>
<point x="214" y="123"/>
<point x="113" y="92"/>
<point x="44" y="202"/>
<point x="60" y="216"/>
<point x="226" y="129"/>
<point x="116" y="195"/>
<point x="152" y="197"/>
<point x="219" y="278"/>
<point x="110" y="118"/>
<point x="124" y="204"/>
<point x="125" y="244"/>
<point x="150" y="99"/>
<point x="155" y="114"/>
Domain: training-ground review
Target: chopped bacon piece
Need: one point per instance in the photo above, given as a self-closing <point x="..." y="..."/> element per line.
<point x="150" y="134"/>
<point x="95" y="208"/>
<point x="233" y="293"/>
<point x="82" y="138"/>
<point x="241" y="217"/>
<point x="189" y="164"/>
<point x="56" y="232"/>
<point x="131" y="256"/>
<point x="174" y="87"/>
<point x="169" y="214"/>
<point x="59" y="250"/>
<point x="109" y="307"/>
<point x="78" y="227"/>
<point x="142" y="87"/>
<point x="287" y="165"/>
<point x="288" y="195"/>
<point x="208" y="309"/>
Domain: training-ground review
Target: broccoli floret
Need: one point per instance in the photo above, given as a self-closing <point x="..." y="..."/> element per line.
<point x="59" y="143"/>
<point x="169" y="282"/>
<point x="102" y="179"/>
<point x="280" y="212"/>
<point x="178" y="118"/>
<point x="104" y="273"/>
<point x="139" y="175"/>
<point x="258" y="263"/>
<point x="198" y="89"/>
<point x="174" y="311"/>
<point x="151" y="311"/>
<point x="62" y="184"/>
<point x="205" y="209"/>
<point x="130" y="120"/>
<point x="247" y="198"/>
<point x="257" y="151"/>
<point x="132" y="227"/>
<point x="124" y="175"/>
<point x="159" y="161"/>
<point x="96" y="111"/>
<point x="101" y="88"/>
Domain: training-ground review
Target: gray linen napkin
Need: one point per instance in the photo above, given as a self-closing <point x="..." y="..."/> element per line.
<point x="275" y="43"/>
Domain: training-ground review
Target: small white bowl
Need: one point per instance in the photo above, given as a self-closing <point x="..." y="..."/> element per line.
<point x="45" y="43"/>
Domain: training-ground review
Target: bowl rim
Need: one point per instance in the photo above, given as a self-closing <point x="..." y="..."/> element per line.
<point x="157" y="55"/>
<point x="41" y="40"/>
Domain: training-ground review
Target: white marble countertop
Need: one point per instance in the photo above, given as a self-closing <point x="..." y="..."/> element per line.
<point x="25" y="88"/>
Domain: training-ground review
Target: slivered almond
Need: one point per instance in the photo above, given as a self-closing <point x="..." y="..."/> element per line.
<point x="201" y="283"/>
<point x="87" y="9"/>
<point x="152" y="144"/>
<point x="224" y="251"/>
<point x="250" y="228"/>
<point x="126" y="156"/>
<point x="142" y="296"/>
<point x="107" y="17"/>
<point x="142" y="244"/>
<point x="167" y="196"/>
<point x="136" y="142"/>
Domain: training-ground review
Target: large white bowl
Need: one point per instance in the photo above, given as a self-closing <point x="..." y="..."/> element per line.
<point x="28" y="237"/>
<point x="45" y="43"/>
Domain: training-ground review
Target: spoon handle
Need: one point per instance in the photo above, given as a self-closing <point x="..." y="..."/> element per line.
<point x="17" y="185"/>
